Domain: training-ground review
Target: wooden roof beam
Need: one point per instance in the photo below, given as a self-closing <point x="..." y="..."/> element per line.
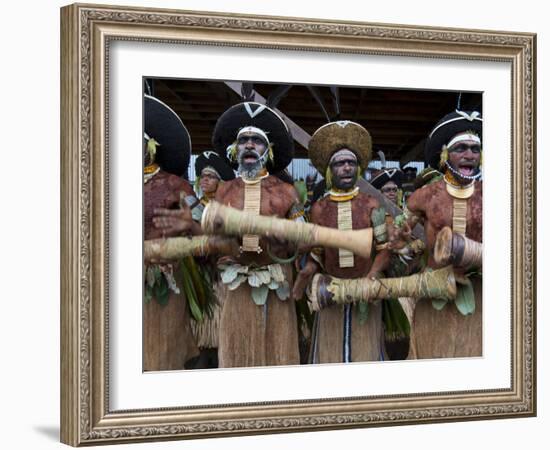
<point x="299" y="135"/>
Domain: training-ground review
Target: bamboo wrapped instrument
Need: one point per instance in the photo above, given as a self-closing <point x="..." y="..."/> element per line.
<point x="327" y="290"/>
<point x="221" y="219"/>
<point x="457" y="249"/>
<point x="179" y="247"/>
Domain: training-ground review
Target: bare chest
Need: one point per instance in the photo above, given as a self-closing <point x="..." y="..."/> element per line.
<point x="360" y="215"/>
<point x="441" y="208"/>
<point x="273" y="200"/>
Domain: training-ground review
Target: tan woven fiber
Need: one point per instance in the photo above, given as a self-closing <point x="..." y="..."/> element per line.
<point x="434" y="284"/>
<point x="220" y="219"/>
<point x="473" y="254"/>
<point x="252" y="202"/>
<point x="345" y="257"/>
<point x="470" y="253"/>
<point x="179" y="247"/>
<point x="460" y="209"/>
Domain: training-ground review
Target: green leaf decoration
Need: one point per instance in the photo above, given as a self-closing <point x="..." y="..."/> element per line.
<point x="230" y="273"/>
<point x="465" y="300"/>
<point x="237" y="282"/>
<point x="400" y="220"/>
<point x="206" y="281"/>
<point x="395" y="319"/>
<point x="195" y="310"/>
<point x="148" y="295"/>
<point x="152" y="148"/>
<point x="152" y="274"/>
<point x="363" y="312"/>
<point x="161" y="292"/>
<point x="473" y="272"/>
<point x="259" y="295"/>
<point x="242" y="269"/>
<point x="398" y="268"/>
<point x="191" y="295"/>
<point x="201" y="290"/>
<point x="439" y="303"/>
<point x="283" y="291"/>
<point x="301" y="188"/>
<point x="254" y="279"/>
<point x="378" y="216"/>
<point x="276" y="272"/>
<point x="264" y="276"/>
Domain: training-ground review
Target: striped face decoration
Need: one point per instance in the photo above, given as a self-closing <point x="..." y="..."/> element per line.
<point x="464" y="155"/>
<point x="344" y="169"/>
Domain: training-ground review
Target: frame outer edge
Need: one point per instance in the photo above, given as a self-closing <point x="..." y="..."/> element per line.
<point x="533" y="223"/>
<point x="534" y="234"/>
<point x="69" y="113"/>
<point x="82" y="401"/>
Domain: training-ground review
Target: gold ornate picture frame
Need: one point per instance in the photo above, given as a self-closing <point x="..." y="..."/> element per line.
<point x="87" y="34"/>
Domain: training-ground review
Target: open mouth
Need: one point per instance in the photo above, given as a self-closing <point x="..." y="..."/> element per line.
<point x="250" y="157"/>
<point x="466" y="169"/>
<point x="347" y="179"/>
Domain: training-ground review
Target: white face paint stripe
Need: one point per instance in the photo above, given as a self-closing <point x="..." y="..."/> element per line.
<point x="211" y="170"/>
<point x="253" y="130"/>
<point x="343" y="152"/>
<point x="463" y="137"/>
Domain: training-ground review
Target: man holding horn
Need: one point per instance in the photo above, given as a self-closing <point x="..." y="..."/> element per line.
<point x="258" y="325"/>
<point x="441" y="330"/>
<point x="350" y="332"/>
<point x="167" y="339"/>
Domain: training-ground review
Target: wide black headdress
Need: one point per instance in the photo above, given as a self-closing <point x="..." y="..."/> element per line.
<point x="448" y="127"/>
<point x="259" y="116"/>
<point x="220" y="164"/>
<point x="165" y="126"/>
<point x="383" y="176"/>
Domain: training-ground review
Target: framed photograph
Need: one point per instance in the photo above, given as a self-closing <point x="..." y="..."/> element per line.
<point x="118" y="383"/>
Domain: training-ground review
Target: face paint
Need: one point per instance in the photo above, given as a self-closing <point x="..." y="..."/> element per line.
<point x="208" y="183"/>
<point x="390" y="191"/>
<point x="344" y="171"/>
<point x="464" y="158"/>
<point x="251" y="152"/>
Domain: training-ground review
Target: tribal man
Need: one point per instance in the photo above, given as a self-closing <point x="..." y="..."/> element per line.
<point x="352" y="332"/>
<point x="258" y="324"/>
<point x="389" y="182"/>
<point x="167" y="339"/>
<point x="454" y="146"/>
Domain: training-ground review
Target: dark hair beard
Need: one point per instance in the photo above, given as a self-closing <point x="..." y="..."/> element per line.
<point x="250" y="170"/>
<point x="336" y="182"/>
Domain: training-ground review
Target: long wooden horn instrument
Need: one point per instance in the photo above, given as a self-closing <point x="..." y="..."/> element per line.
<point x="179" y="247"/>
<point x="458" y="250"/>
<point x="327" y="290"/>
<point x="221" y="219"/>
